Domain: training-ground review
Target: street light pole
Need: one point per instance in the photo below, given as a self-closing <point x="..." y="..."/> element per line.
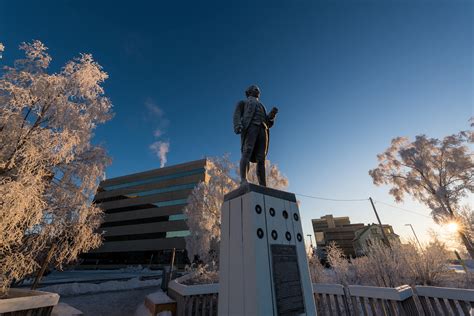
<point x="310" y="240"/>
<point x="311" y="244"/>
<point x="411" y="226"/>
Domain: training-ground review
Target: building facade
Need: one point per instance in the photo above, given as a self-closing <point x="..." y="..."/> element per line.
<point x="372" y="234"/>
<point x="329" y="229"/>
<point x="144" y="217"/>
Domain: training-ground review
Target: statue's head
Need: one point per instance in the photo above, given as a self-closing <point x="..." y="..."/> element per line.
<point x="253" y="91"/>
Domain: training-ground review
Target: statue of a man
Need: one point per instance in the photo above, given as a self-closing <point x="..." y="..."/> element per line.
<point x="252" y="122"/>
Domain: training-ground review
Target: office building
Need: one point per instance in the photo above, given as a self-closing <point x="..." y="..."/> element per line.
<point x="329" y="229"/>
<point x="144" y="217"/>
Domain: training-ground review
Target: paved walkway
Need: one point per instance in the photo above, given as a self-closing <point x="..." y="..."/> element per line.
<point x="120" y="303"/>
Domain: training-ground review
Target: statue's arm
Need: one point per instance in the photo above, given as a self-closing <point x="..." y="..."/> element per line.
<point x="271" y="117"/>
<point x="239" y="108"/>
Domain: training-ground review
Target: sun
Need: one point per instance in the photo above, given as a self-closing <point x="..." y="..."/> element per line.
<point x="452" y="227"/>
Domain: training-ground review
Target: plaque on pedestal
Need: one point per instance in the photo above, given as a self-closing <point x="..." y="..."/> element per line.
<point x="263" y="265"/>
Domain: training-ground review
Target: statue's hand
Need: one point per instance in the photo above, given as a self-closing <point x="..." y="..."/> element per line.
<point x="238" y="129"/>
<point x="273" y="113"/>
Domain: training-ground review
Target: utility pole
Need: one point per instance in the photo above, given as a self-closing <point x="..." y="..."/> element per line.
<point x="460" y="260"/>
<point x="419" y="244"/>
<point x="387" y="242"/>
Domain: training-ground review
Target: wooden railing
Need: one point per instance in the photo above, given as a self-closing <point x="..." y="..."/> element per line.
<point x="445" y="301"/>
<point x="335" y="299"/>
<point x="330" y="299"/>
<point x="371" y="300"/>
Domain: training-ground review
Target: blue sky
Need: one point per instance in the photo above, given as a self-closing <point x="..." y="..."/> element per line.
<point x="347" y="76"/>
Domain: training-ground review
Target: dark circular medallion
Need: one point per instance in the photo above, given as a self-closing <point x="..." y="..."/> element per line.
<point x="272" y="211"/>
<point x="258" y="209"/>
<point x="260" y="233"/>
<point x="274" y="235"/>
<point x="295" y="216"/>
<point x="299" y="237"/>
<point x="285" y="214"/>
<point x="288" y="236"/>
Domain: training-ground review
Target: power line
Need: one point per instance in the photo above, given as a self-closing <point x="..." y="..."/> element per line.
<point x="402" y="209"/>
<point x="361" y="200"/>
<point x="330" y="199"/>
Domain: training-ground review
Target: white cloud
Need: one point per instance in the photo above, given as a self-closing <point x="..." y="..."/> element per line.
<point x="153" y="108"/>
<point x="161" y="149"/>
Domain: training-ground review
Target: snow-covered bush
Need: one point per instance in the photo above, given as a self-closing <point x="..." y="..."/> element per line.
<point x="385" y="267"/>
<point x="49" y="170"/>
<point x="202" y="274"/>
<point x="339" y="264"/>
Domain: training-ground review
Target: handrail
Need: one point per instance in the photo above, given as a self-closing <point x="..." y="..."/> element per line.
<point x="446" y="292"/>
<point x="327" y="288"/>
<point x="387" y="293"/>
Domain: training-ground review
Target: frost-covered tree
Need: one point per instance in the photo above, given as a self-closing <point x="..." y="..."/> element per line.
<point x="49" y="170"/>
<point x="204" y="205"/>
<point x="438" y="173"/>
<point x="465" y="221"/>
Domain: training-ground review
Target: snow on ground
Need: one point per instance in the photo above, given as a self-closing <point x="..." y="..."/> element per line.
<point x="92" y="276"/>
<point x="143" y="311"/>
<point x="117" y="303"/>
<point x="71" y="289"/>
<point x="459" y="268"/>
<point x="104" y="292"/>
<point x="158" y="298"/>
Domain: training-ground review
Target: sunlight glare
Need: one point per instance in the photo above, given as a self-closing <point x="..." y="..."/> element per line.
<point x="452" y="227"/>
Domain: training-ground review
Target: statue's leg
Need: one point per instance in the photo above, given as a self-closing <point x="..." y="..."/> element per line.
<point x="244" y="167"/>
<point x="262" y="180"/>
<point x="260" y="156"/>
<point x="250" y="139"/>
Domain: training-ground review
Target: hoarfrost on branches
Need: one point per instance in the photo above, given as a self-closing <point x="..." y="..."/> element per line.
<point x="385" y="267"/>
<point x="438" y="173"/>
<point x="203" y="211"/>
<point x="49" y="170"/>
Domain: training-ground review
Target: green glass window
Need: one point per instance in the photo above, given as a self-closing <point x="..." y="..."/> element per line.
<point x="178" y="233"/>
<point x="177" y="217"/>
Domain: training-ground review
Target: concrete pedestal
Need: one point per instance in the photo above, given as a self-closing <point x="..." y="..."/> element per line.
<point x="263" y="265"/>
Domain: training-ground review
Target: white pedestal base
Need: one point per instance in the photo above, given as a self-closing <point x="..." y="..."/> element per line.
<point x="263" y="264"/>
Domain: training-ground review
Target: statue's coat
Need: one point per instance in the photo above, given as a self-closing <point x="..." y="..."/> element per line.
<point x="243" y="115"/>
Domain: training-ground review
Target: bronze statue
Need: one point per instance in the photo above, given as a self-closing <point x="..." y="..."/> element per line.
<point x="252" y="123"/>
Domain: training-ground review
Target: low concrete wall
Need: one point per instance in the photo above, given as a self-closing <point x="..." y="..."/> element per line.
<point x="35" y="302"/>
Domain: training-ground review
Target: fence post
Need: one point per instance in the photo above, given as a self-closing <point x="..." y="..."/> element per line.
<point x="407" y="301"/>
